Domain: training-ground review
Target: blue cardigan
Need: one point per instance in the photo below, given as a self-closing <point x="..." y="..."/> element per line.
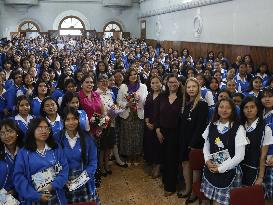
<point x="74" y="158"/>
<point x="29" y="163"/>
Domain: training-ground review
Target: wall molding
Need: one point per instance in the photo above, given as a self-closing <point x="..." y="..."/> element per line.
<point x="180" y="7"/>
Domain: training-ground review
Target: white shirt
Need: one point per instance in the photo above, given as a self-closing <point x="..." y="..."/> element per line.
<point x="11" y="155"/>
<point x="58" y="119"/>
<point x="72" y="141"/>
<point x="265" y="115"/>
<point x="267" y="137"/>
<point x="240" y="143"/>
<point x="43" y="152"/>
<point x="19" y="117"/>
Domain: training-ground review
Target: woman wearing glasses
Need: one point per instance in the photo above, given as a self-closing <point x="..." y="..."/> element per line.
<point x="168" y="108"/>
<point x="41" y="169"/>
<point x="11" y="141"/>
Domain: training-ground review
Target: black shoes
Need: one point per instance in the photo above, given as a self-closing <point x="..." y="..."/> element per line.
<point x="180" y="195"/>
<point x="191" y="200"/>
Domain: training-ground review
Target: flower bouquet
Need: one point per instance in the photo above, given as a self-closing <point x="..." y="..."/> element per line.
<point x="114" y="111"/>
<point x="133" y="99"/>
<point x="99" y="123"/>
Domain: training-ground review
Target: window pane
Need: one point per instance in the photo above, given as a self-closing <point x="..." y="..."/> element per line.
<point x="71" y="32"/>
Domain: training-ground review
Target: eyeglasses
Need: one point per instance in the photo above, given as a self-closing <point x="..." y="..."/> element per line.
<point x="41" y="128"/>
<point x="7" y="133"/>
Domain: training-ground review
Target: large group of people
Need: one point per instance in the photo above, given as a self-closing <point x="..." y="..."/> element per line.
<point x="68" y="107"/>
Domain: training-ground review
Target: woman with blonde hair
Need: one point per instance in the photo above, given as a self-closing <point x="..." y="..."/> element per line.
<point x="193" y="123"/>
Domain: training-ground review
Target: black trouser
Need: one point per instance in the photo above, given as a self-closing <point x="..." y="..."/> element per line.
<point x="169" y="158"/>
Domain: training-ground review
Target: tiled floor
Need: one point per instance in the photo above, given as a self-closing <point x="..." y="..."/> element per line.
<point x="132" y="186"/>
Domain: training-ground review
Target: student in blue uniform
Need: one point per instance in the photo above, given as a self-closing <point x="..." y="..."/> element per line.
<point x="255" y="86"/>
<point x="40" y="155"/>
<point x="222" y="172"/>
<point x="3" y="101"/>
<point x="266" y="97"/>
<point x="11" y="141"/>
<point x="81" y="153"/>
<point x="50" y="110"/>
<point x="71" y="99"/>
<point x="241" y="78"/>
<point x="23" y="117"/>
<point x="259" y="136"/>
<point x="15" y="90"/>
<point x="41" y="90"/>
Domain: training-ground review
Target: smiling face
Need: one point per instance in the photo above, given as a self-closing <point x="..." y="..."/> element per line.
<point x="50" y="107"/>
<point x="173" y="84"/>
<point x="156" y="84"/>
<point x="8" y="135"/>
<point x="71" y="122"/>
<point x="87" y="85"/>
<point x="267" y="100"/>
<point x="133" y="76"/>
<point x="24" y="107"/>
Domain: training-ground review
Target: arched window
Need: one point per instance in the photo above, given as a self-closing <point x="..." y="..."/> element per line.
<point x="110" y="28"/>
<point x="71" y="25"/>
<point x="28" y="26"/>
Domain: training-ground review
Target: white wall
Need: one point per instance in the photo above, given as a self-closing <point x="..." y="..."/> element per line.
<point x="241" y="22"/>
<point x="47" y="11"/>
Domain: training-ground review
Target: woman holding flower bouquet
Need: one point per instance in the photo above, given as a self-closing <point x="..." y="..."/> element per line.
<point x="108" y="135"/>
<point x="91" y="102"/>
<point x="131" y="97"/>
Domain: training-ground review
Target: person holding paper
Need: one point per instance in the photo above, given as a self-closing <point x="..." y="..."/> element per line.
<point x="224" y="149"/>
<point x="11" y="141"/>
<point x="41" y="169"/>
<point x="81" y="153"/>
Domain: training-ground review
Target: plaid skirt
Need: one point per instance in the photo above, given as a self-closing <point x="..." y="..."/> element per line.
<point x="131" y="135"/>
<point x="52" y="201"/>
<point x="222" y="196"/>
<point x="82" y="194"/>
<point x="268" y="181"/>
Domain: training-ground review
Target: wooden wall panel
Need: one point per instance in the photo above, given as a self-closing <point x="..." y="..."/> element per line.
<point x="258" y="54"/>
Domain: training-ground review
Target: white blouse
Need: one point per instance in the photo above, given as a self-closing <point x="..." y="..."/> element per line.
<point x="240" y="143"/>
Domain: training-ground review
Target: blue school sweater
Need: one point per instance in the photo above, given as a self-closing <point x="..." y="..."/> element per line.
<point x="57" y="125"/>
<point x="84" y="124"/>
<point x="6" y="170"/>
<point x="22" y="124"/>
<point x="36" y="106"/>
<point x="74" y="159"/>
<point x="28" y="163"/>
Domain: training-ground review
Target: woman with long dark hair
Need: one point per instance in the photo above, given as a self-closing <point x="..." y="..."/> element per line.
<point x="41" y="169"/>
<point x="260" y="137"/>
<point x="11" y="140"/>
<point x="131" y="97"/>
<point x="168" y="108"/>
<point x="81" y="153"/>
